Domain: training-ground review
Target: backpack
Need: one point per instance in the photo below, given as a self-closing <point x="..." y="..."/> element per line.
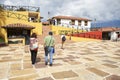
<point x="63" y="38"/>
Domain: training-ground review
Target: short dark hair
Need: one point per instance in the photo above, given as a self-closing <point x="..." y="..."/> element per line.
<point x="34" y="35"/>
<point x="50" y="33"/>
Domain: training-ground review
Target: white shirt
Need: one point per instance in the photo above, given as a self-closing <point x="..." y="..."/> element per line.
<point x="62" y="36"/>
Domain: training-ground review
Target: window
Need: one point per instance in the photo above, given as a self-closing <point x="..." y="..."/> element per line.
<point x="86" y="23"/>
<point x="32" y="19"/>
<point x="58" y="21"/>
<point x="73" y="22"/>
<point x="79" y="23"/>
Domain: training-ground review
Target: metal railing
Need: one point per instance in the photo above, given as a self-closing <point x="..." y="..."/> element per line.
<point x="6" y="10"/>
<point x="19" y="8"/>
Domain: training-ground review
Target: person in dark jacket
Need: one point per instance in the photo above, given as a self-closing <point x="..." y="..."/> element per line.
<point x="63" y="39"/>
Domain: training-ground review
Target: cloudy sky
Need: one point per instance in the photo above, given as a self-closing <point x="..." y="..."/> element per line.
<point x="102" y="10"/>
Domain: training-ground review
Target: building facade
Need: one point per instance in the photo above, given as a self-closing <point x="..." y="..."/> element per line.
<point x="109" y="33"/>
<point x="17" y="23"/>
<point x="72" y="22"/>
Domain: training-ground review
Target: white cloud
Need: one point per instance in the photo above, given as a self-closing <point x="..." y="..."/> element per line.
<point x="8" y="2"/>
<point x="102" y="10"/>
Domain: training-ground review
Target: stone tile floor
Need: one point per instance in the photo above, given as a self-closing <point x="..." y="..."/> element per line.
<point x="78" y="61"/>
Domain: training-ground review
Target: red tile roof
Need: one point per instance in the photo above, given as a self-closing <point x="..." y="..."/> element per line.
<point x="18" y="25"/>
<point x="106" y="29"/>
<point x="71" y="18"/>
<point x="45" y="23"/>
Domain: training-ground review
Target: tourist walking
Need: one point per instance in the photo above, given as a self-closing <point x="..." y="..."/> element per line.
<point x="49" y="44"/>
<point x="33" y="47"/>
<point x="63" y="39"/>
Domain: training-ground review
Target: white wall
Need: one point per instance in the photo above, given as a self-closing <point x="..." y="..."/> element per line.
<point x="63" y="21"/>
<point x="88" y="26"/>
<point x="113" y="36"/>
<point x="89" y="23"/>
<point x="55" y="21"/>
<point x="76" y="22"/>
<point x="66" y="23"/>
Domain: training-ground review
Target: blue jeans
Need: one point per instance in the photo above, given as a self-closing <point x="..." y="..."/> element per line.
<point x="50" y="52"/>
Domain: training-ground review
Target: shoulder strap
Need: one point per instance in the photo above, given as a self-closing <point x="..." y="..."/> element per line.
<point x="50" y="41"/>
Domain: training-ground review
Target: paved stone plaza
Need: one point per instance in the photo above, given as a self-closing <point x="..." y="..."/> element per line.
<point x="99" y="60"/>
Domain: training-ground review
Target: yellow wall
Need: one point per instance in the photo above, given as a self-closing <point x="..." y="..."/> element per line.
<point x="38" y="28"/>
<point x="12" y="19"/>
<point x="5" y="20"/>
<point x="3" y="34"/>
<point x="57" y="29"/>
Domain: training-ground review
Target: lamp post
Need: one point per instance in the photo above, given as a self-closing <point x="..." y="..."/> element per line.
<point x="82" y="28"/>
<point x="95" y="22"/>
<point x="49" y="17"/>
<point x="48" y="14"/>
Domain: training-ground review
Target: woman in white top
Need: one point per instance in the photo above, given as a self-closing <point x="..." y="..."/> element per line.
<point x="33" y="47"/>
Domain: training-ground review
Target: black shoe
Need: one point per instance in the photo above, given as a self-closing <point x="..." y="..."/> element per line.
<point x="50" y="64"/>
<point x="33" y="63"/>
<point x="46" y="63"/>
<point x="62" y="48"/>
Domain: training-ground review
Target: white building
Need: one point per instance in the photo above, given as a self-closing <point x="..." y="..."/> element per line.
<point x="72" y="22"/>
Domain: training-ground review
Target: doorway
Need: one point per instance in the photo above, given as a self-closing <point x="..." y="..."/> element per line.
<point x="17" y="33"/>
<point x="106" y="35"/>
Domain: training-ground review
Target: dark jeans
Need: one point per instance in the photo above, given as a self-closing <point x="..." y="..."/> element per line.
<point x="33" y="56"/>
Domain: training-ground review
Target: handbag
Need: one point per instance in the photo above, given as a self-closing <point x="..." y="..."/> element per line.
<point x="36" y="49"/>
<point x="46" y="48"/>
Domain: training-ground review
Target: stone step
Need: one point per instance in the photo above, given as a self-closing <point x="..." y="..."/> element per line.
<point x="46" y="29"/>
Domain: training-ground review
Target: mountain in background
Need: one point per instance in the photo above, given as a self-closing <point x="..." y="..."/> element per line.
<point x="115" y="23"/>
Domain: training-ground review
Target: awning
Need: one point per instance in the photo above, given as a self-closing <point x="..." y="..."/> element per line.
<point x="18" y="25"/>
